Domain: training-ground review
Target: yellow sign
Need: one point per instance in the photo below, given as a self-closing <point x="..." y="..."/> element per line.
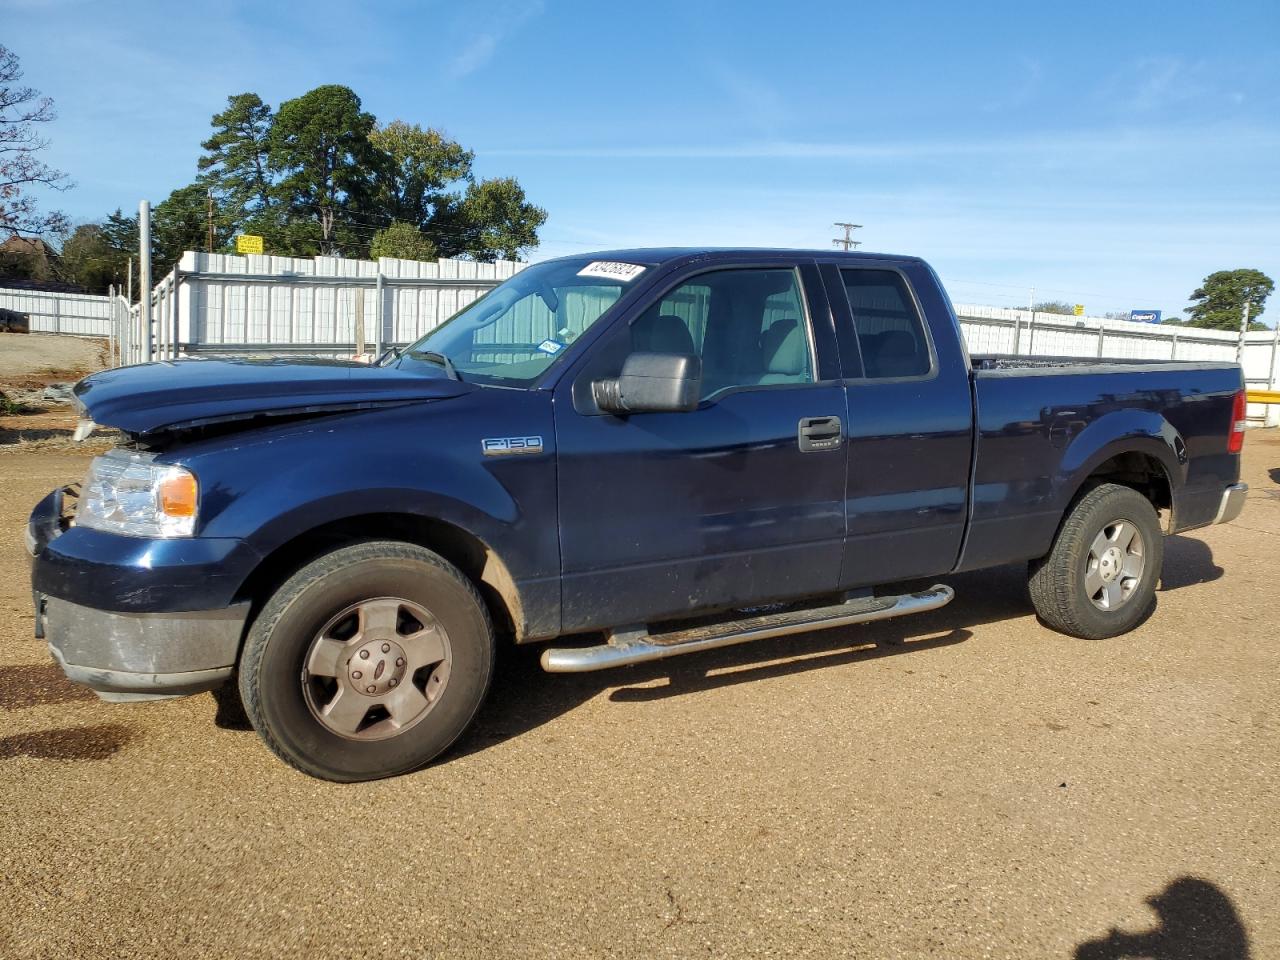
<point x="1079" y="306"/>
<point x="248" y="243"/>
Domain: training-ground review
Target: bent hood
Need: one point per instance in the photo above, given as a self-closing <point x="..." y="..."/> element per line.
<point x="169" y="395"/>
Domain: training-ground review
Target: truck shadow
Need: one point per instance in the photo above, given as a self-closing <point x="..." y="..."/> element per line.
<point x="71" y="743"/>
<point x="1197" y="922"/>
<point x="522" y="697"/>
<point x="1187" y="561"/>
<point x="34" y="685"/>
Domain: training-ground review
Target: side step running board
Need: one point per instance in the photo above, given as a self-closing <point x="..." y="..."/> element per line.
<point x="639" y="646"/>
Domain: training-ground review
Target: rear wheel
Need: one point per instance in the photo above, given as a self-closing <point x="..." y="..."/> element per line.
<point x="368" y="662"/>
<point x="1099" y="579"/>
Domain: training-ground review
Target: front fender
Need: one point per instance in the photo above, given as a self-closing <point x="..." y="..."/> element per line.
<point x="272" y="487"/>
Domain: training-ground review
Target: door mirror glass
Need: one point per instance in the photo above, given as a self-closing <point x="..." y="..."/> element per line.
<point x="651" y="383"/>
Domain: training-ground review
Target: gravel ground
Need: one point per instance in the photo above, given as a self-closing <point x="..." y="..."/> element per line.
<point x="961" y="784"/>
<point x="38" y="358"/>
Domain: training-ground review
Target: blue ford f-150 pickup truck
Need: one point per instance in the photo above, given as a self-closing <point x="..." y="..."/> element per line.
<point x="659" y="450"/>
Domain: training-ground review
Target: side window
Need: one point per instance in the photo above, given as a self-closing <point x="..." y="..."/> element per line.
<point x="890" y="334"/>
<point x="748" y="326"/>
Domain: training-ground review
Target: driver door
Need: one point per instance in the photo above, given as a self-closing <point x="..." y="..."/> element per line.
<point x="736" y="503"/>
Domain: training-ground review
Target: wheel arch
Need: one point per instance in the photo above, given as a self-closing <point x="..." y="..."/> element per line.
<point x="475" y="558"/>
<point x="1138" y="470"/>
<point x="1148" y="456"/>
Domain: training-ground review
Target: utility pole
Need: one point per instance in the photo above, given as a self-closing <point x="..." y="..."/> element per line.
<point x="848" y="242"/>
<point x="1244" y="328"/>
<point x="208" y="248"/>
<point x="144" y="277"/>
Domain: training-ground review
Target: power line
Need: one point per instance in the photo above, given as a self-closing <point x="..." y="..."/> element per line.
<point x="847" y="242"/>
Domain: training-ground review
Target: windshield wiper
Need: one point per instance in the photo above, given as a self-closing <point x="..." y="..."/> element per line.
<point x="435" y="356"/>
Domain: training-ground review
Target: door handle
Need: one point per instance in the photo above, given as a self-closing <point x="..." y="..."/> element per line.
<point x="820" y="433"/>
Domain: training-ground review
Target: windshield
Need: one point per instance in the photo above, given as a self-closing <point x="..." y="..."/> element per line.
<point x="515" y="331"/>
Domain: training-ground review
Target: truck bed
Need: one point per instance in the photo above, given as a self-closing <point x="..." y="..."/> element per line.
<point x="1042" y="424"/>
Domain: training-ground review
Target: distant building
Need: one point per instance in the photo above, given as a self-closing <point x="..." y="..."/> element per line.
<point x="28" y="263"/>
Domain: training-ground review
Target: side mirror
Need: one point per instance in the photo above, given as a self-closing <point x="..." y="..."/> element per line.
<point x="651" y="383"/>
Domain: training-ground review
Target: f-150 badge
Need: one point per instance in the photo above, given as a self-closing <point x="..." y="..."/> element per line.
<point x="509" y="446"/>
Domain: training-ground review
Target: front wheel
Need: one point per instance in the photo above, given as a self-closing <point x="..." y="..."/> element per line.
<point x="1099" y="579"/>
<point x="368" y="662"/>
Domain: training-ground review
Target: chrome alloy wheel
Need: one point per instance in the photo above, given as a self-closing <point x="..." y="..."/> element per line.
<point x="376" y="669"/>
<point x="1113" y="570"/>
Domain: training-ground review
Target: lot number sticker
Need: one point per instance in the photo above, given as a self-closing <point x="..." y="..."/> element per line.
<point x="611" y="270"/>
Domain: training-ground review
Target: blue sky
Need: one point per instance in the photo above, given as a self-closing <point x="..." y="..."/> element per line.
<point x="1110" y="154"/>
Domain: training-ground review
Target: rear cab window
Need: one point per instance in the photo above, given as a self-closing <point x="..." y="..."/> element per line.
<point x="892" y="336"/>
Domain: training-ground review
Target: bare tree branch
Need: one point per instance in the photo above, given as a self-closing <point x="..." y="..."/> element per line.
<point x="21" y="107"/>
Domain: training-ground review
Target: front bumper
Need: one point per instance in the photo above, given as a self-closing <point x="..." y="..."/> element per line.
<point x="1232" y="502"/>
<point x="142" y="656"/>
<point x="108" y="571"/>
<point x="117" y="611"/>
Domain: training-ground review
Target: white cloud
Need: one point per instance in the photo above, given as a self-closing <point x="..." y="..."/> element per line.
<point x="757" y="102"/>
<point x="479" y="49"/>
<point x="473" y="56"/>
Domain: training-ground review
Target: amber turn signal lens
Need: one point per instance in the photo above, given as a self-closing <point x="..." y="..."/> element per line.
<point x="178" y="494"/>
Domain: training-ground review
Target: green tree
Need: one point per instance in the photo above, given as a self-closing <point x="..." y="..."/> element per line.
<point x="403" y="241"/>
<point x="181" y="222"/>
<point x="236" y="163"/>
<point x="494" y="221"/>
<point x="420" y="173"/>
<point x="1054" y="306"/>
<point x="320" y="175"/>
<point x="1218" y="302"/>
<point x="121" y="231"/>
<point x="90" y="260"/>
<point x="319" y="144"/>
<point x="96" y="255"/>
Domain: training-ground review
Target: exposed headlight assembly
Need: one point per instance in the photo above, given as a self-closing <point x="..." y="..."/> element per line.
<point x="131" y="494"/>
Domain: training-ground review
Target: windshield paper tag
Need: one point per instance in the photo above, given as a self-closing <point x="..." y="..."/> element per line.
<point x="612" y="270"/>
<point x="551" y="346"/>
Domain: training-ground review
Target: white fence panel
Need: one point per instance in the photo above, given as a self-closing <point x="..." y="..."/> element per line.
<point x="77" y="314"/>
<point x="277" y="304"/>
<point x="993" y="330"/>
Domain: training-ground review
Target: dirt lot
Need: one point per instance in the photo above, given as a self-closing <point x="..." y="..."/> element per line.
<point x="29" y="363"/>
<point x="38" y="358"/>
<point x="984" y="789"/>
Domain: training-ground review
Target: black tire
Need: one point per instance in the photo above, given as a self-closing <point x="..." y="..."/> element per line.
<point x="1057" y="580"/>
<point x="272" y="678"/>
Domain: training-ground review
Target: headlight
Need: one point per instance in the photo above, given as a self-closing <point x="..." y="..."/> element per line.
<point x="130" y="493"/>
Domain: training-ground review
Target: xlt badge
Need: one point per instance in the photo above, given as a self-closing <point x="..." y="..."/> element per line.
<point x="509" y="446"/>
